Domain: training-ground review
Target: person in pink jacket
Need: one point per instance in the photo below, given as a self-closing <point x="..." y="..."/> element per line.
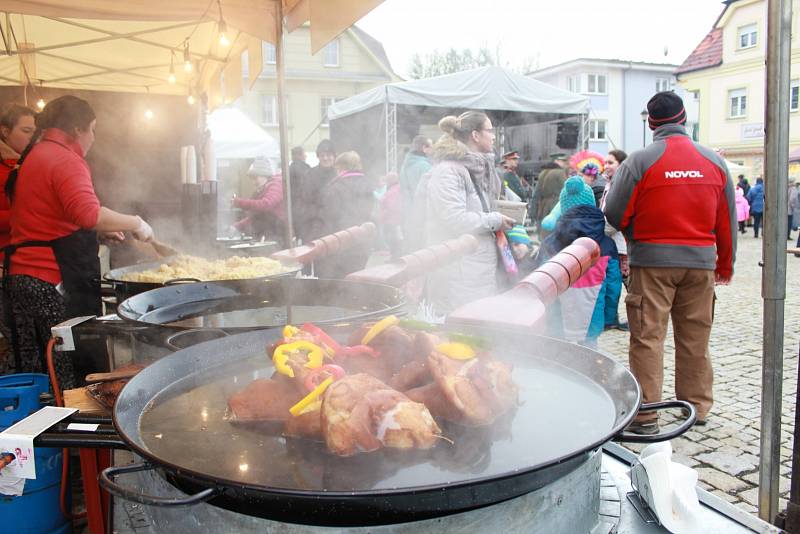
<point x="265" y="216"/>
<point x="742" y="209"/>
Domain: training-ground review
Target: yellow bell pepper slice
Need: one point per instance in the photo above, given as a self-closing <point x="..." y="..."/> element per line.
<point x="379" y="327"/>
<point x="290" y="331"/>
<point x="280" y="357"/>
<point x="308" y="400"/>
<point x="456" y="350"/>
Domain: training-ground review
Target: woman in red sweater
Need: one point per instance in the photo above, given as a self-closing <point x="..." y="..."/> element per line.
<point x="266" y="217"/>
<point x="52" y="266"/>
<point x="16" y="130"/>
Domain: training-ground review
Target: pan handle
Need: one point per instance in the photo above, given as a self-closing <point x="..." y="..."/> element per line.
<point x="108" y="484"/>
<point x="175" y="281"/>
<point x="661" y="436"/>
<point x="170" y="341"/>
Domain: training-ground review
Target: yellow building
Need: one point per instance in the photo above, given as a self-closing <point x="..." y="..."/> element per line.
<point x="348" y="65"/>
<point x="725" y="73"/>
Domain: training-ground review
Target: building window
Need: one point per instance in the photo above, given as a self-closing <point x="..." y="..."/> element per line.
<point x="597" y="130"/>
<point x="596" y="84"/>
<point x="325" y="103"/>
<point x="748" y="36"/>
<point x="794" y="96"/>
<point x="738" y="103"/>
<point x="332" y="54"/>
<point x="268" y="51"/>
<point x="269" y="110"/>
<point x="574" y="84"/>
<point x="662" y="84"/>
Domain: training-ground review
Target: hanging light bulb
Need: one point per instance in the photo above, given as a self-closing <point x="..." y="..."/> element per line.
<point x="171" y="78"/>
<point x="223" y="38"/>
<point x="148" y="114"/>
<point x="223" y="28"/>
<point x="187" y="59"/>
<point x="40" y="104"/>
<point x="190" y="99"/>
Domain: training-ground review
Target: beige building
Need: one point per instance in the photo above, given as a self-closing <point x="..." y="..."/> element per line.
<point x="348" y="65"/>
<point x="726" y="73"/>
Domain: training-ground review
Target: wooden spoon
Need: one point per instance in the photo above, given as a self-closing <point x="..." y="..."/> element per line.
<point x="162" y="249"/>
<point x="125" y="372"/>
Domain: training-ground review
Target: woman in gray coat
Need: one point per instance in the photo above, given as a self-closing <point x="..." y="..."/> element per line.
<point x="464" y="160"/>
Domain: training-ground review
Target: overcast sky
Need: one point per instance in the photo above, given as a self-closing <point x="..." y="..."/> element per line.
<point x="550" y="31"/>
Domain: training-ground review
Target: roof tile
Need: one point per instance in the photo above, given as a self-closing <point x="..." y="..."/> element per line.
<point x="707" y="54"/>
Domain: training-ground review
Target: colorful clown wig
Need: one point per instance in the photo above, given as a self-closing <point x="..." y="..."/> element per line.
<point x="587" y="162"/>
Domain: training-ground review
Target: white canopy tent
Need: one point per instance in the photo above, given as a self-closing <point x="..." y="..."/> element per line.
<point x="510" y="99"/>
<point x="235" y="136"/>
<point x="490" y="88"/>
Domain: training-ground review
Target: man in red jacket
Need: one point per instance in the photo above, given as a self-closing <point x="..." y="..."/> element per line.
<point x="674" y="201"/>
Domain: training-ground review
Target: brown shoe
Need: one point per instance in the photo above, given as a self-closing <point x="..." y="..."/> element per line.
<point x="647" y="428"/>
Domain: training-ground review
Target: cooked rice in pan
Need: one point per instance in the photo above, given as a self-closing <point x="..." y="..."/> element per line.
<point x="185" y="266"/>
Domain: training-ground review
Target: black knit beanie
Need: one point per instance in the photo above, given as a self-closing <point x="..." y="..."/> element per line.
<point x="665" y="108"/>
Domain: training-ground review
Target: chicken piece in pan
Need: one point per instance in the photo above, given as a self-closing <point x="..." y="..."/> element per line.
<point x="362" y="414"/>
<point x="474" y="391"/>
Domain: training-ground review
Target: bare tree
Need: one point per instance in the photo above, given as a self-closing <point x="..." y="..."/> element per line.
<point x="439" y="63"/>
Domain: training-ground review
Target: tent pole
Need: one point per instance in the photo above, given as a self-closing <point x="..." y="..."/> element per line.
<point x="282" y="128"/>
<point x="773" y="286"/>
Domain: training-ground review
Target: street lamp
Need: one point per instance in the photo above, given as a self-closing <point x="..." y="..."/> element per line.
<point x="644" y="114"/>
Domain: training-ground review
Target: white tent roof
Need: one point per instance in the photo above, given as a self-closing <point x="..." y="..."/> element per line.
<point x="486" y="88"/>
<point x="234" y="136"/>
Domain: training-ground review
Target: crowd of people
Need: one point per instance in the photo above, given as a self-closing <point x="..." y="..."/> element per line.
<point x="668" y="237"/>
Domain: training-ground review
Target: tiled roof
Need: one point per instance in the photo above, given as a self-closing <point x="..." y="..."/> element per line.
<point x="707" y="54"/>
<point x="374" y="46"/>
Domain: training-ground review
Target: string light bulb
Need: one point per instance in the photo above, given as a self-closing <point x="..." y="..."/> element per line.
<point x="40" y="104"/>
<point x="223" y="38"/>
<point x="223" y="28"/>
<point x="190" y="99"/>
<point x="148" y="114"/>
<point x="171" y="78"/>
<point x="187" y="59"/>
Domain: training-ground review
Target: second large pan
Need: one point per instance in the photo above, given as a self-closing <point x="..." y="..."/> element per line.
<point x="185" y="311"/>
<point x="124" y="289"/>
<point x="573" y="400"/>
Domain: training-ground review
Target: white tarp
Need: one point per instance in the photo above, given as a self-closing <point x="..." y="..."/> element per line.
<point x="486" y="88"/>
<point x="235" y="136"/>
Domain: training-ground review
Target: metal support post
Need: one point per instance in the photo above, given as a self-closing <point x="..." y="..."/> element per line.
<point x="391" y="137"/>
<point x="280" y="67"/>
<point x="773" y="288"/>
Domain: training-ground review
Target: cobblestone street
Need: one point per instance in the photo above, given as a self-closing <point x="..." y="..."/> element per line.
<point x="725" y="452"/>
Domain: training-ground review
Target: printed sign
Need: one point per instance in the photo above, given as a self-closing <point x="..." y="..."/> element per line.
<point x="753" y="131"/>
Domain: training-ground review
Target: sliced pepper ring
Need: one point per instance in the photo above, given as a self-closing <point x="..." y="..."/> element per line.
<point x="304" y="403"/>
<point x="315" y="377"/>
<point x="456" y="350"/>
<point x="280" y="357"/>
<point x="379" y="327"/>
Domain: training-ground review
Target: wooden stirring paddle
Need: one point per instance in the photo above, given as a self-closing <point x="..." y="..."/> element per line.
<point x="523" y="306"/>
<point x="162" y="249"/>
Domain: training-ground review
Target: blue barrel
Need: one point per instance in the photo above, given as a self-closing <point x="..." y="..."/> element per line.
<point x="37" y="510"/>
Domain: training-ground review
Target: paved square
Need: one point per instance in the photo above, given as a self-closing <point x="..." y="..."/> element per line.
<point x="725" y="452"/>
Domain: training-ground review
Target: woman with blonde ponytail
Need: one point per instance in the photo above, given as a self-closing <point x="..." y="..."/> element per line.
<point x="458" y="197"/>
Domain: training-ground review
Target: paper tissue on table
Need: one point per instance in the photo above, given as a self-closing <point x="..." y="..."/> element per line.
<point x="668" y="488"/>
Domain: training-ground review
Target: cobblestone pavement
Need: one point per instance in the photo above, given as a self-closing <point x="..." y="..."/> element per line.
<point x="725" y="452"/>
